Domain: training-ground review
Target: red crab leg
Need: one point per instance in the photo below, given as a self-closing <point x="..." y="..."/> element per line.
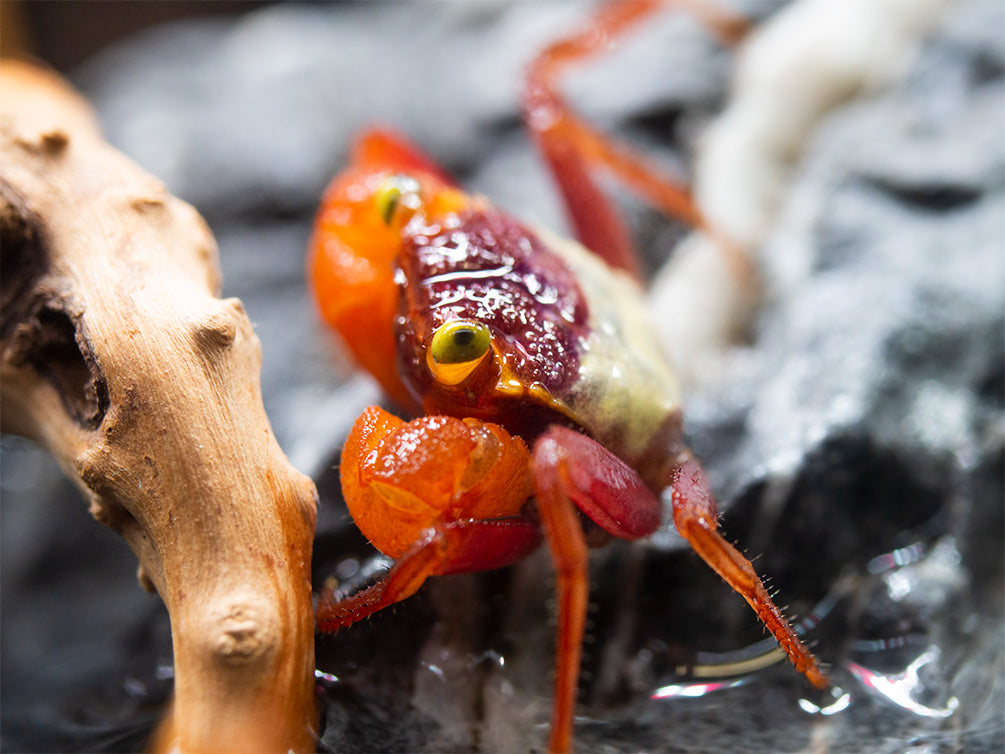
<point x="568" y="551"/>
<point x="572" y="470"/>
<point x="443" y="549"/>
<point x="572" y="148"/>
<point x="696" y="518"/>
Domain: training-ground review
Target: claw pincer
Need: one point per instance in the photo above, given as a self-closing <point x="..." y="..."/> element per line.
<point x="402" y="478"/>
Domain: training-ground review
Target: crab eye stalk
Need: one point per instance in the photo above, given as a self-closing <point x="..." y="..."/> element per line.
<point x="393" y="192"/>
<point x="456" y="348"/>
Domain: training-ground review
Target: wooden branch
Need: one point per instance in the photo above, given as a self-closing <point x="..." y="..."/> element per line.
<point x="118" y="356"/>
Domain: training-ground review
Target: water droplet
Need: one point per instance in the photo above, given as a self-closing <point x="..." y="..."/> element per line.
<point x="839" y="700"/>
<point x="436" y="670"/>
<point x="328" y="678"/>
<point x="164" y="672"/>
<point x="347" y="569"/>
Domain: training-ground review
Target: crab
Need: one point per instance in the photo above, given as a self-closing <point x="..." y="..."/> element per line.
<point x="546" y="412"/>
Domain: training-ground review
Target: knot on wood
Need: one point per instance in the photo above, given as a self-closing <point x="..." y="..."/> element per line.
<point x="47" y="143"/>
<point x="218" y="330"/>
<point x="242" y="634"/>
<point x="54" y="141"/>
<point x="147" y="204"/>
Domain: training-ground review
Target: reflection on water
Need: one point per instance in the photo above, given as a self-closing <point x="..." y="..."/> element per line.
<point x="898" y="558"/>
<point x="693" y="690"/>
<point x="916" y="580"/>
<point x="903" y="688"/>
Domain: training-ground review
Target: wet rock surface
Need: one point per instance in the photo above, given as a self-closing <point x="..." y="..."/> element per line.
<point x="856" y="443"/>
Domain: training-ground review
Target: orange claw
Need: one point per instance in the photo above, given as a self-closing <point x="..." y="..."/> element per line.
<point x="399" y="479"/>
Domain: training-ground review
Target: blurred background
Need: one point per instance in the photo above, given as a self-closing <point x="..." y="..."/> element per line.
<point x="65" y="33"/>
<point x="856" y="440"/>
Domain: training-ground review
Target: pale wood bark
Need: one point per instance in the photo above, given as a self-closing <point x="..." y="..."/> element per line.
<point x="118" y="356"/>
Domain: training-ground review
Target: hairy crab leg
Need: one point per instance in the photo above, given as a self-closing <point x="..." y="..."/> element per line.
<point x="442" y="549"/>
<point x="572" y="148"/>
<point x="573" y="471"/>
<point x="696" y="517"/>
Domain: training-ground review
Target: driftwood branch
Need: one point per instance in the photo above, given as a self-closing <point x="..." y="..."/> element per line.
<point x="118" y="356"/>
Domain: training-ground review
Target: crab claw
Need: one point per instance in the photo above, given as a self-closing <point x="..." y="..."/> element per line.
<point x="400" y="479"/>
<point x="441" y="495"/>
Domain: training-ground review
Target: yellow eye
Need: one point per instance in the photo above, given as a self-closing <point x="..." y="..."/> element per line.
<point x="457" y="347"/>
<point x="393" y="192"/>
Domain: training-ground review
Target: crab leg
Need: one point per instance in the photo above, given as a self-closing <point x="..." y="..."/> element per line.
<point x="573" y="471"/>
<point x="445" y="548"/>
<point x="568" y="552"/>
<point x="696" y="518"/>
<point x="572" y="148"/>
